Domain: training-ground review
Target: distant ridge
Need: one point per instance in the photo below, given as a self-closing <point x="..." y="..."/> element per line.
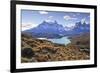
<point x="56" y="30"/>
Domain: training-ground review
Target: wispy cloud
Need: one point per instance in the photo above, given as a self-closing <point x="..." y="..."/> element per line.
<point x="43" y="12"/>
<point x="26" y="26"/>
<point x="49" y="19"/>
<point x="75" y="14"/>
<point x="66" y="17"/>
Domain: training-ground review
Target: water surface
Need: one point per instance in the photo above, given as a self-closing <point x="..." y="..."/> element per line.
<point x="63" y="40"/>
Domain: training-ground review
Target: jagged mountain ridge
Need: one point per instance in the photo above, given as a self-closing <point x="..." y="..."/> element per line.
<point x="56" y="30"/>
<point x="79" y="28"/>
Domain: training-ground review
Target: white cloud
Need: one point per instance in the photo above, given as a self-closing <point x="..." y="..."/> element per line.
<point x="49" y="19"/>
<point x="43" y="12"/>
<point x="66" y="17"/>
<point x="26" y="26"/>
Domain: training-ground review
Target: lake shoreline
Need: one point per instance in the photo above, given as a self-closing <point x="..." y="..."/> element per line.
<point x="44" y="51"/>
<point x="64" y="40"/>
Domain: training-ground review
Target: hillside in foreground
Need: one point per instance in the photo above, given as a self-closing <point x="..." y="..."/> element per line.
<point x="36" y="50"/>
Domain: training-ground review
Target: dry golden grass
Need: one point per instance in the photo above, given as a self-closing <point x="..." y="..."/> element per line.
<point x="45" y="51"/>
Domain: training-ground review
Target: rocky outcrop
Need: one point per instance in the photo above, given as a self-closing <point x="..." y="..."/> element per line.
<point x="37" y="50"/>
<point x="82" y="41"/>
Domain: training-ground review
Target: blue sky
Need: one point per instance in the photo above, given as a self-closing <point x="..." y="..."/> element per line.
<point x="32" y="18"/>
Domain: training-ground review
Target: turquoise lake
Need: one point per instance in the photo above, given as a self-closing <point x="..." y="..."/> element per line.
<point x="63" y="40"/>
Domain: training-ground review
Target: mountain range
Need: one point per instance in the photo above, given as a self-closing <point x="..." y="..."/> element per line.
<point x="56" y="30"/>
